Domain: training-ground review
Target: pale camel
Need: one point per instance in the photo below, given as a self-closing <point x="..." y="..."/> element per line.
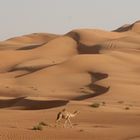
<point x="65" y="115"/>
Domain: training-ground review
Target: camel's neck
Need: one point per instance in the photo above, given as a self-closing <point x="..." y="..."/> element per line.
<point x="73" y="114"/>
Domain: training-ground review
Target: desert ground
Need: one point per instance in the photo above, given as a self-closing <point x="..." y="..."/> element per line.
<point x="93" y="71"/>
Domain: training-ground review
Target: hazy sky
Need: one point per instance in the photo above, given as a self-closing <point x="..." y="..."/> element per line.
<point x="18" y="17"/>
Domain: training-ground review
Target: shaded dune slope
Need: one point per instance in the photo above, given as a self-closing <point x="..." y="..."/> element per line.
<point x="29" y="104"/>
<point x="129" y="27"/>
<point x="82" y="64"/>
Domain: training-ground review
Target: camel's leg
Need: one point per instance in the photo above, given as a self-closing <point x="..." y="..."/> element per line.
<point x="65" y="123"/>
<point x="70" y="123"/>
<point x="57" y="122"/>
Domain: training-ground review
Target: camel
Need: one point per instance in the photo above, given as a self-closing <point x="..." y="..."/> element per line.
<point x="65" y="115"/>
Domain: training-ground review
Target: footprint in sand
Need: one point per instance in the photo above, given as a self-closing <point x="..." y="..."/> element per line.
<point x="7" y="87"/>
<point x="33" y="88"/>
<point x="81" y="130"/>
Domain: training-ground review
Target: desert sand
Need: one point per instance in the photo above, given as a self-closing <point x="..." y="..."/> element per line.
<point x="43" y="73"/>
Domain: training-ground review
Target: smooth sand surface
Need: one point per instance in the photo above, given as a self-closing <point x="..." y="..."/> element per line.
<point x="41" y="73"/>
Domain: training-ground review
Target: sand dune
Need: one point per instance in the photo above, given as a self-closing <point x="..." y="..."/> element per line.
<point x="26" y="41"/>
<point x="48" y="71"/>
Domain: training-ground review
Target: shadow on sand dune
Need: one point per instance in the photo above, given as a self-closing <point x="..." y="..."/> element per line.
<point x="32" y="46"/>
<point x="97" y="89"/>
<point x="29" y="70"/>
<point x="28" y="104"/>
<point x="84" y="49"/>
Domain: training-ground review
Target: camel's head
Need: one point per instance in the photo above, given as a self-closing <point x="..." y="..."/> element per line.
<point x="76" y="112"/>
